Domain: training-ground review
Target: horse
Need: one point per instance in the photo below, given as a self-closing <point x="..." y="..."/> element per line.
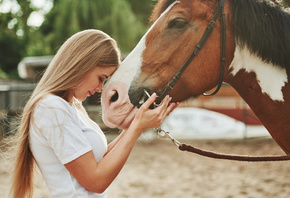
<point x="247" y="46"/>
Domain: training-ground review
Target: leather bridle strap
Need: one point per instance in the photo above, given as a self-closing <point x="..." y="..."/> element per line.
<point x="190" y="148"/>
<point x="223" y="53"/>
<point x="206" y="34"/>
<point x="185" y="147"/>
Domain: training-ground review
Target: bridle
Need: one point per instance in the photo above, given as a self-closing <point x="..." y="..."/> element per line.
<point x="184" y="147"/>
<point x="219" y="10"/>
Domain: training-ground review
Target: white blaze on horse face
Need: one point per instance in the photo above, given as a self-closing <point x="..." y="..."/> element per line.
<point x="130" y="67"/>
<point x="271" y="78"/>
<point x="117" y="109"/>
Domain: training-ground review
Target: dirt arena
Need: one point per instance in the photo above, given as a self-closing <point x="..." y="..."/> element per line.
<point x="157" y="169"/>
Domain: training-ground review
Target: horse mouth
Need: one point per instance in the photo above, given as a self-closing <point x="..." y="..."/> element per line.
<point x="126" y="122"/>
<point x="140" y="96"/>
<point x="120" y="118"/>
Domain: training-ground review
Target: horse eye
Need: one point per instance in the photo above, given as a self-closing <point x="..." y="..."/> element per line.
<point x="177" y="23"/>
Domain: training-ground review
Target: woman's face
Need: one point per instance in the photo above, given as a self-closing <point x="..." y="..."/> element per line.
<point x="92" y="82"/>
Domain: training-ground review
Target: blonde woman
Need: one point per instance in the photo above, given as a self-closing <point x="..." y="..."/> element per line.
<point x="56" y="132"/>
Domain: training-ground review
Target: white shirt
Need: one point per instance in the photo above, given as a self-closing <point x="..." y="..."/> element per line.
<point x="59" y="135"/>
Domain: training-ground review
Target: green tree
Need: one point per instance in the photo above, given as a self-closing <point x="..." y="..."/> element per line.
<point x="124" y="20"/>
<point x="142" y="9"/>
<point x="113" y="17"/>
<point x="14" y="37"/>
<point x="10" y="52"/>
<point x="12" y="45"/>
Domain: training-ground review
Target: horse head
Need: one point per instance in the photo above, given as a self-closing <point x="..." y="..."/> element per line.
<point x="178" y="27"/>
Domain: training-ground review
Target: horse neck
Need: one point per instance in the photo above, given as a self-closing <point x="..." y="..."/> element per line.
<point x="265" y="88"/>
<point x="257" y="69"/>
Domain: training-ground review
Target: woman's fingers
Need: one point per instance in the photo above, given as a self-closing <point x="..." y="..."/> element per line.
<point x="165" y="103"/>
<point x="149" y="101"/>
<point x="172" y="106"/>
<point x="150" y="118"/>
<point x="166" y="108"/>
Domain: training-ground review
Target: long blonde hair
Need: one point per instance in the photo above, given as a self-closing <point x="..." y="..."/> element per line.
<point x="76" y="57"/>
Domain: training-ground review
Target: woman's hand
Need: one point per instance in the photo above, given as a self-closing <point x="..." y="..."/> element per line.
<point x="151" y="118"/>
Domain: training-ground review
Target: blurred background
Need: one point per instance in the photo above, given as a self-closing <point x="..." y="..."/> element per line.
<point x="39" y="27"/>
<point x="31" y="32"/>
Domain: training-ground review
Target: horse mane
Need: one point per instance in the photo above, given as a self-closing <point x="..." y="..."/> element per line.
<point x="263" y="28"/>
<point x="159" y="8"/>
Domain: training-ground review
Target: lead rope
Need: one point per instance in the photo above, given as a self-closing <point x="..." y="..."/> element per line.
<point x="185" y="147"/>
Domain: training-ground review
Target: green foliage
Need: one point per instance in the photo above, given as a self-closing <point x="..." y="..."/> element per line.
<point x="142" y="9"/>
<point x="3" y="75"/>
<point x="286" y="3"/>
<point x="113" y="17"/>
<point x="10" y="51"/>
<point x="14" y="38"/>
<point x="125" y="20"/>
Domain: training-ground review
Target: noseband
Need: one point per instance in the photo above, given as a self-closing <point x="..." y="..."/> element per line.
<point x="198" y="47"/>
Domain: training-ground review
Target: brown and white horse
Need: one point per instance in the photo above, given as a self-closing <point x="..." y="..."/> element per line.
<point x="257" y="61"/>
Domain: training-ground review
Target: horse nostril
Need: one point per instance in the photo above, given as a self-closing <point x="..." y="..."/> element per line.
<point x="114" y="97"/>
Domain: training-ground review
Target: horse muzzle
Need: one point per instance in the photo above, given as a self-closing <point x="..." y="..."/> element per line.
<point x="140" y="96"/>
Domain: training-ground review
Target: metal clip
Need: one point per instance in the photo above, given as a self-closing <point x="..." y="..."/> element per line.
<point x="164" y="134"/>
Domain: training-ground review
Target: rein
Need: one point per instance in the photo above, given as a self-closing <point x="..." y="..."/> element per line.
<point x="185" y="147"/>
<point x="198" y="47"/>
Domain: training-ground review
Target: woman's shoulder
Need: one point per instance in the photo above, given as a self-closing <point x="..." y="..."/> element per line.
<point x="53" y="101"/>
<point x="54" y="109"/>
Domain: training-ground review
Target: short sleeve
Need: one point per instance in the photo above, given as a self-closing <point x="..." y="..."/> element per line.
<point x="59" y="125"/>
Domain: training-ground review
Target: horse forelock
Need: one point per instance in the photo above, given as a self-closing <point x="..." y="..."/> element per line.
<point x="263" y="29"/>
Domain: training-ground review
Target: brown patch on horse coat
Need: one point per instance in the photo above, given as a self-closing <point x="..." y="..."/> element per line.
<point x="269" y="112"/>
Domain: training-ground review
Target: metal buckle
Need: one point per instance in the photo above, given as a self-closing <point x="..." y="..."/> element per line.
<point x="164" y="134"/>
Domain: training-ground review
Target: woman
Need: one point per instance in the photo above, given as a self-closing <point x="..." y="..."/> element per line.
<point x="56" y="132"/>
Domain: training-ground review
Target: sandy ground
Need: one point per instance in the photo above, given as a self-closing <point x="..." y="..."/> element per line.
<point x="157" y="169"/>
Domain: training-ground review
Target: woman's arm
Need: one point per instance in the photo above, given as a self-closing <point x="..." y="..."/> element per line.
<point x="113" y="143"/>
<point x="97" y="176"/>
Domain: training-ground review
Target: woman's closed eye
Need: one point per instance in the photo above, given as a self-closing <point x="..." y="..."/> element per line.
<point x="102" y="78"/>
